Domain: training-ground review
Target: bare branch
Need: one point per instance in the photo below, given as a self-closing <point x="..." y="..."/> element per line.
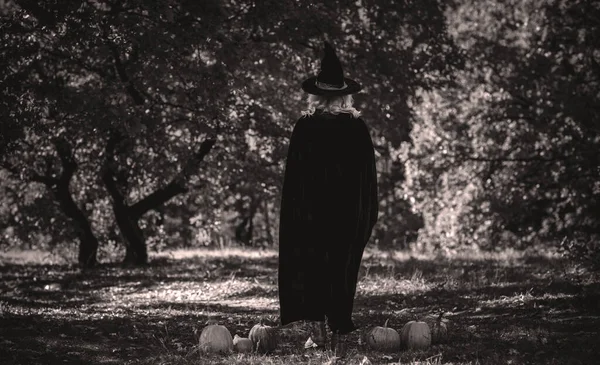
<point x="135" y="94"/>
<point x="107" y="173"/>
<point x="308" y="45"/>
<point x="157" y="198"/>
<point x="65" y="153"/>
<point x="48" y="181"/>
<point x="175" y="186"/>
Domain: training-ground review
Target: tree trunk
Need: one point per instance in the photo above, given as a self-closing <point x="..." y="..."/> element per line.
<point x="136" y="252"/>
<point x="128" y="216"/>
<point x="59" y="186"/>
<point x="88" y="243"/>
<point x="244" y="231"/>
<point x="133" y="237"/>
<point x="270" y="239"/>
<point x="241" y="232"/>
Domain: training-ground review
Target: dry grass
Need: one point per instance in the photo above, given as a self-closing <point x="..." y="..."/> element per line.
<point x="507" y="307"/>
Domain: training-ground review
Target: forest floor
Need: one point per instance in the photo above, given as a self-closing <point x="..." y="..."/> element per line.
<point x="505" y="308"/>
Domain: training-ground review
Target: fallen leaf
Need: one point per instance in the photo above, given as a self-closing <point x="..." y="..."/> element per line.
<point x="366" y="361"/>
<point x="310" y="344"/>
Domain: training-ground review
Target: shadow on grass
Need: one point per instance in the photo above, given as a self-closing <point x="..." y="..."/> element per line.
<point x="90" y="338"/>
<point x="525" y="311"/>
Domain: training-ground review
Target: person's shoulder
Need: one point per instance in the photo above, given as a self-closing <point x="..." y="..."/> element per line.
<point x="302" y="123"/>
<point x="318" y="117"/>
<point x="358" y="120"/>
<point x="303" y="120"/>
<point x="310" y="120"/>
<point x="361" y="126"/>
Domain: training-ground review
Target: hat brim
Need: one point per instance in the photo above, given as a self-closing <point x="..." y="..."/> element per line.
<point x="309" y="86"/>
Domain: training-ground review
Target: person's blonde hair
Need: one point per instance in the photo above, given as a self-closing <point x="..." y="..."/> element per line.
<point x="331" y="104"/>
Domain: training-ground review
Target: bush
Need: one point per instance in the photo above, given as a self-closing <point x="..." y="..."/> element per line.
<point x="585" y="250"/>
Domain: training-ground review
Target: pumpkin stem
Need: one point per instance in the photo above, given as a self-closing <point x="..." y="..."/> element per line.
<point x="386" y="322"/>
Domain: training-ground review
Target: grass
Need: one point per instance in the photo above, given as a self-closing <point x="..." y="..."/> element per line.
<point x="503" y="308"/>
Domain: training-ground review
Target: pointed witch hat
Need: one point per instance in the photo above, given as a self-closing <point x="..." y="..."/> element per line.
<point x="330" y="81"/>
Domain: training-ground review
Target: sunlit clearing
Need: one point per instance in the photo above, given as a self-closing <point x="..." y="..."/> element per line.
<point x="216" y="252"/>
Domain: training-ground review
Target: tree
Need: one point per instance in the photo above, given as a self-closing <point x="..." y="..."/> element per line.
<point x="393" y="48"/>
<point x="82" y="90"/>
<point x="141" y="93"/>
<point x="505" y="156"/>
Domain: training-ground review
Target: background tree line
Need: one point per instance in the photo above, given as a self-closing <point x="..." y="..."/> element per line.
<point x="143" y="125"/>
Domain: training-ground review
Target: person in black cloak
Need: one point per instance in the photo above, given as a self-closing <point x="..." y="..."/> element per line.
<point x="329" y="206"/>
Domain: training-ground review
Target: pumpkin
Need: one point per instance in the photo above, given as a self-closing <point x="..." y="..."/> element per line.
<point x="416" y="335"/>
<point x="439" y="330"/>
<point x="263" y="338"/>
<point x="242" y="344"/>
<point x="383" y="338"/>
<point x="215" y="338"/>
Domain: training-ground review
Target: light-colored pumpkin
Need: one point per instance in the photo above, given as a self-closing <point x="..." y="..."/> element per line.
<point x="242" y="344"/>
<point x="415" y="335"/>
<point x="216" y="338"/>
<point x="383" y="338"/>
<point x="264" y="338"/>
<point x="439" y="330"/>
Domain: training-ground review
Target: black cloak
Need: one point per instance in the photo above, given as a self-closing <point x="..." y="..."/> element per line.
<point x="329" y="206"/>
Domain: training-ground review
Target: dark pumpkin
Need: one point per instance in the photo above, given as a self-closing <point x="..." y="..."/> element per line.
<point x="415" y="335"/>
<point x="263" y="337"/>
<point x="383" y="338"/>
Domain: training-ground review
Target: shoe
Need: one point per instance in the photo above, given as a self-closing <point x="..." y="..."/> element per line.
<point x="318" y="333"/>
<point x="339" y="344"/>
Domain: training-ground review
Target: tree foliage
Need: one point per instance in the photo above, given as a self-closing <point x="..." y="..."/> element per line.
<point x="159" y="121"/>
<point x="166" y="123"/>
<point x="507" y="155"/>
